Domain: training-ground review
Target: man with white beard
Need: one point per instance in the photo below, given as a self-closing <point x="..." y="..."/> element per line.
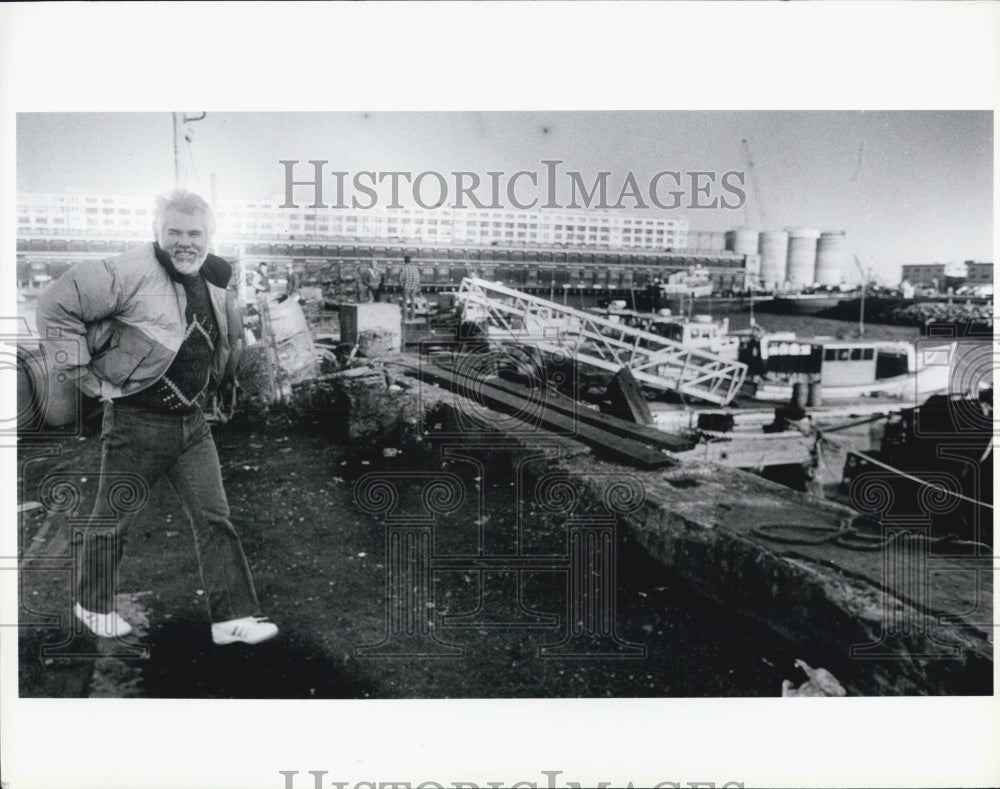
<point x="153" y="333"/>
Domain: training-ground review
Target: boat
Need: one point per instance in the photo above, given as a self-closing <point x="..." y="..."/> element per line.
<point x="695" y="282"/>
<point x="937" y="459"/>
<point x="696" y="331"/>
<point x="781" y="365"/>
<point x="805" y="303"/>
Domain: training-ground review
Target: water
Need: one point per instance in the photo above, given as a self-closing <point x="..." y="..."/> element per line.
<point x="812" y="326"/>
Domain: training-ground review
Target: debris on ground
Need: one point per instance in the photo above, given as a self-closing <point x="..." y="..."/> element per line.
<point x="820" y="683"/>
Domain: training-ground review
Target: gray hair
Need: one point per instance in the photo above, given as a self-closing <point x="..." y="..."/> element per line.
<point x="185" y="202"/>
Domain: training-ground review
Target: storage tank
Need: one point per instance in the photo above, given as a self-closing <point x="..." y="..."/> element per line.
<point x="773" y="258"/>
<point x="801" y="256"/>
<point x="830" y="258"/>
<point x="742" y="241"/>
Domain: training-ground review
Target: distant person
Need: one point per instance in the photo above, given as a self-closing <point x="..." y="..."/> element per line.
<point x="373" y="280"/>
<point x="409" y="281"/>
<point x="655" y="293"/>
<point x="261" y="284"/>
<point x="153" y="333"/>
<point x="291" y="280"/>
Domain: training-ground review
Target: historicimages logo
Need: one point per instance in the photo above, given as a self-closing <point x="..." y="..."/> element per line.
<point x="546" y="187"/>
<point x="549" y="781"/>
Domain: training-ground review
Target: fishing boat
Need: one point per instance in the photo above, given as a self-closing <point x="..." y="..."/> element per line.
<point x="783" y="366"/>
<point x="937" y="458"/>
<point x="696" y="331"/>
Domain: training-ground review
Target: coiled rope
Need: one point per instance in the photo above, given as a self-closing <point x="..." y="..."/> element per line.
<point x="847" y="535"/>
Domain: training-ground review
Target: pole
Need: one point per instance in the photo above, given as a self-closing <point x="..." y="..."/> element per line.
<point x="177" y="157"/>
<point x="861" y="317"/>
<point x="864" y="287"/>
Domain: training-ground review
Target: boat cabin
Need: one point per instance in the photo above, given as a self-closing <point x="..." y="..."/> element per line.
<point x="826" y="360"/>
<point x="848" y="363"/>
<point x="698" y="331"/>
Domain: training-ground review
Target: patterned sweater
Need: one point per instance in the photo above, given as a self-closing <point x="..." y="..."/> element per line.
<point x="184" y="386"/>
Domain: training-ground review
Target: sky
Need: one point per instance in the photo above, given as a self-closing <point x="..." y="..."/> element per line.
<point x="906" y="187"/>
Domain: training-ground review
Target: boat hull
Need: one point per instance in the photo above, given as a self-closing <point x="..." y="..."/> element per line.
<point x="911" y="387"/>
<point x="798" y="305"/>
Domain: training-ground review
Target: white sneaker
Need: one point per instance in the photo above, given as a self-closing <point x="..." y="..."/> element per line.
<point x="109" y="625"/>
<point x="248" y="630"/>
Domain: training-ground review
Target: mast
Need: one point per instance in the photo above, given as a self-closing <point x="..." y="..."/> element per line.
<point x="864" y="287"/>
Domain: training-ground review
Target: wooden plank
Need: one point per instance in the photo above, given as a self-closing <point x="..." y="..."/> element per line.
<point x="612" y="424"/>
<point x="615" y="446"/>
<point x="560" y="403"/>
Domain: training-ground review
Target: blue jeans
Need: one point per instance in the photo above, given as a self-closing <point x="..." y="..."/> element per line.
<point x="143" y="446"/>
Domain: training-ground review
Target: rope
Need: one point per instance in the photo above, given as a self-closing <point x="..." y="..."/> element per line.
<point x="919" y="481"/>
<point x="856" y="423"/>
<point x="844" y="534"/>
<point x="847" y="535"/>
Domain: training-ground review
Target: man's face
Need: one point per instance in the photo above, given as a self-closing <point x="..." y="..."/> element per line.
<point x="184" y="237"/>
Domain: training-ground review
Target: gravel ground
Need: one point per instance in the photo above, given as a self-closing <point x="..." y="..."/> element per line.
<point x="320" y="567"/>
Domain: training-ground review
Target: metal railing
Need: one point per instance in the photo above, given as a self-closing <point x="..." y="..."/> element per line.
<point x="654" y="361"/>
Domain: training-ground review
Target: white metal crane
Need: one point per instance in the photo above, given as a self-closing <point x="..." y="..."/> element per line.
<point x="654" y="361"/>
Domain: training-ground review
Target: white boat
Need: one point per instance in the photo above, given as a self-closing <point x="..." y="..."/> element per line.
<point x="695" y="282"/>
<point x="836" y="369"/>
<point x="698" y="331"/>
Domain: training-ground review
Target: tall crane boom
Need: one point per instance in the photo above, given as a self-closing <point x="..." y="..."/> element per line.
<point x="182" y="134"/>
<point x="752" y="170"/>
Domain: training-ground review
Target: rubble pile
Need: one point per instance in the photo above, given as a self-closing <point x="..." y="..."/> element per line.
<point x="924" y="312"/>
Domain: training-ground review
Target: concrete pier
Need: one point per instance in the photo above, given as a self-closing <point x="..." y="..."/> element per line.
<point x="888" y="612"/>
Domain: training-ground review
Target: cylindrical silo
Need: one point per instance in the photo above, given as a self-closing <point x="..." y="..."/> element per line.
<point x="742" y="241"/>
<point x="773" y="257"/>
<point x="830" y="258"/>
<point x="801" y="256"/>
